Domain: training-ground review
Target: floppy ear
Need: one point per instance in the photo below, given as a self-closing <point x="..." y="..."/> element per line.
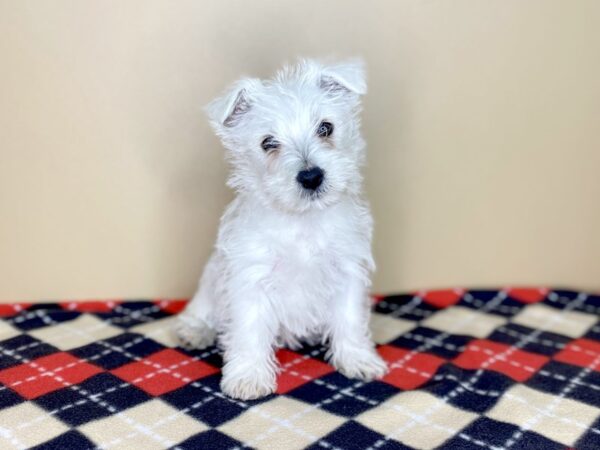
<point x="229" y="110"/>
<point x="348" y="76"/>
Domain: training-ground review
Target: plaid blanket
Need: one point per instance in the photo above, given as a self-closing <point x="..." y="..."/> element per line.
<point x="505" y="369"/>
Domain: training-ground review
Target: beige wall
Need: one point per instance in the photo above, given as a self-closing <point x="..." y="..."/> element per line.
<point x="482" y="121"/>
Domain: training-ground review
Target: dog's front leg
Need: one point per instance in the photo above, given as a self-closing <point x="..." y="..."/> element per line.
<point x="250" y="366"/>
<point x="351" y="350"/>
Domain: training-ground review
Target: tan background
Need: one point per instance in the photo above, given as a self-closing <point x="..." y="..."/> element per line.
<point x="482" y="121"/>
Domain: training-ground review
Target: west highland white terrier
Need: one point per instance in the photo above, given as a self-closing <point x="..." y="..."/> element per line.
<point x="293" y="258"/>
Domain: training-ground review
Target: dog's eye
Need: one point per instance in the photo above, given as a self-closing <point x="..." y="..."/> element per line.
<point x="269" y="143"/>
<point x="325" y="129"/>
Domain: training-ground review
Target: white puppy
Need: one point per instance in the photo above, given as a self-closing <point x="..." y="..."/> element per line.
<point x="293" y="259"/>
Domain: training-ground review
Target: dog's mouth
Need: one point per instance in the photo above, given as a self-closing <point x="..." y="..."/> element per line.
<point x="315" y="195"/>
<point x="319" y="199"/>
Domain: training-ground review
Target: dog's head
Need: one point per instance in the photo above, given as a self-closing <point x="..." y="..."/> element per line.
<point x="294" y="140"/>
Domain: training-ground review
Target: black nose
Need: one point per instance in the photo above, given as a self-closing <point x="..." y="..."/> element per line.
<point x="310" y="179"/>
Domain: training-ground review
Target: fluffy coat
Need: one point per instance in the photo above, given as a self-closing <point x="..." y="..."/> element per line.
<point x="290" y="264"/>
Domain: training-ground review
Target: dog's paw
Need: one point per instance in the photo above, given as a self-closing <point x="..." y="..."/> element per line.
<point x="194" y="333"/>
<point x="248" y="384"/>
<point x="363" y="364"/>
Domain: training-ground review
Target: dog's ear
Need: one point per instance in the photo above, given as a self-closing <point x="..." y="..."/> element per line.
<point x="229" y="110"/>
<point x="346" y="77"/>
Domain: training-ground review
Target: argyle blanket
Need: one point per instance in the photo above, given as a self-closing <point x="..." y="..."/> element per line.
<point x="504" y="369"/>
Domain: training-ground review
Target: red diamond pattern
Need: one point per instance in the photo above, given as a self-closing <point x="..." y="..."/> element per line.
<point x="11" y="310"/>
<point x="442" y="298"/>
<point x="298" y="370"/>
<point x="172" y="306"/>
<point x="408" y="370"/>
<point x="517" y="364"/>
<point x="47" y="374"/>
<point x="581" y="352"/>
<point x="528" y="295"/>
<point x="164" y="371"/>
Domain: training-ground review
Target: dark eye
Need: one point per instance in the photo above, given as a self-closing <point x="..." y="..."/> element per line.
<point x="325" y="129"/>
<point x="269" y="143"/>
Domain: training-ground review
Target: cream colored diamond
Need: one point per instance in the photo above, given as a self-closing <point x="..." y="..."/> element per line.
<point x="560" y="419"/>
<point x="417" y="419"/>
<point x="386" y="328"/>
<point x="569" y="323"/>
<point x="159" y="331"/>
<point x="461" y="320"/>
<point x="282" y="423"/>
<point x="14" y="435"/>
<point x="151" y="425"/>
<point x="7" y="331"/>
<point x="76" y="333"/>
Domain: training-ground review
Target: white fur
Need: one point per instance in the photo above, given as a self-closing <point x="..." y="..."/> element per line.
<point x="289" y="266"/>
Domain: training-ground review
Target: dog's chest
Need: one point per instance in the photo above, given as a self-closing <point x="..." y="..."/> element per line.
<point x="302" y="256"/>
<point x="304" y="279"/>
<point x="301" y="262"/>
